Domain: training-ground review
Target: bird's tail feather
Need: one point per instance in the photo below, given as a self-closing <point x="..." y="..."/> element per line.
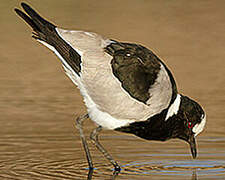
<point x="45" y="31"/>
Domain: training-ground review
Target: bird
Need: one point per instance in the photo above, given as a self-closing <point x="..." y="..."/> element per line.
<point x="125" y="86"/>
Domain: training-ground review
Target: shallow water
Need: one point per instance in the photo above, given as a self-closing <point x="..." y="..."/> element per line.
<point x="39" y="104"/>
<point x="58" y="157"/>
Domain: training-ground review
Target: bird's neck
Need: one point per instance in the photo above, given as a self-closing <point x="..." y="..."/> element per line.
<point x="154" y="128"/>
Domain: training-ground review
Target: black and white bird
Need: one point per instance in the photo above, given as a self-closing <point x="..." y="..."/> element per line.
<point x="125" y="86"/>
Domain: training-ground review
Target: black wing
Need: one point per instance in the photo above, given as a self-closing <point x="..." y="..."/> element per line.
<point x="137" y="69"/>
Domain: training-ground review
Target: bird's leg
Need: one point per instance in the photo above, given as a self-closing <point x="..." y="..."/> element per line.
<point x="79" y="125"/>
<point x="94" y="138"/>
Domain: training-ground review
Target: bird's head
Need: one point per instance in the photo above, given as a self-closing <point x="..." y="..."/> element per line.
<point x="191" y="121"/>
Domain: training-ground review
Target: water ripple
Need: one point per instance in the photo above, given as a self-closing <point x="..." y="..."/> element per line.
<point x="181" y="168"/>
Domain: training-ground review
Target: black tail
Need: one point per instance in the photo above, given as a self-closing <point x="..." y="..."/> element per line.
<point x="46" y="31"/>
<point x="41" y="27"/>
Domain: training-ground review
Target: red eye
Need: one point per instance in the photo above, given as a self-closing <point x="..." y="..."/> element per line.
<point x="189" y="124"/>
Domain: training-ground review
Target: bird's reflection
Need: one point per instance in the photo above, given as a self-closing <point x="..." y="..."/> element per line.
<point x="194" y="175"/>
<point x="90" y="173"/>
<point x="115" y="174"/>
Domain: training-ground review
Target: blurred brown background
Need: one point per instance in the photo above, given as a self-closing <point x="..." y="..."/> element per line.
<point x="38" y="103"/>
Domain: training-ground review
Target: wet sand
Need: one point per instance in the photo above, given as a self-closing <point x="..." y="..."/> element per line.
<point x="39" y="103"/>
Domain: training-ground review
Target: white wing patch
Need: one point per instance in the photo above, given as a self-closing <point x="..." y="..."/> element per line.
<point x="174" y="108"/>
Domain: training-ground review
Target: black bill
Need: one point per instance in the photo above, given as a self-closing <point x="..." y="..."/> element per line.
<point x="193" y="146"/>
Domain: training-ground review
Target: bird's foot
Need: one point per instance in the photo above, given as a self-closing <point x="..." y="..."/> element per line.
<point x="117" y="168"/>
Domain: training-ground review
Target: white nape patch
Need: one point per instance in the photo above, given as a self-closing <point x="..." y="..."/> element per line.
<point x="174" y="108"/>
<point x="198" y="128"/>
